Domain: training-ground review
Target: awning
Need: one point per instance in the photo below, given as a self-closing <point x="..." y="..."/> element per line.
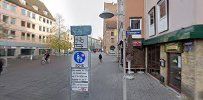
<point x="192" y="32"/>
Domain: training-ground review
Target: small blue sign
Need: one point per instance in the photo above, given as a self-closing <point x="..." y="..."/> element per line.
<point x="135" y="32"/>
<point x="79" y="57"/>
<point x="81" y="30"/>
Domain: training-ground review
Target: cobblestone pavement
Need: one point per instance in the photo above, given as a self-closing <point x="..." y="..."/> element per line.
<point x="144" y="87"/>
<point x="29" y="80"/>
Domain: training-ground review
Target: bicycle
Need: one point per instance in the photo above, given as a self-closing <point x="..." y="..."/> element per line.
<point x="43" y="61"/>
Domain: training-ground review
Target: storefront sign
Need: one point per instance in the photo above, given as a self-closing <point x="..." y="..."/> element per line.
<point x="188" y="46"/>
<point x="137" y="43"/>
<point x="174" y="47"/>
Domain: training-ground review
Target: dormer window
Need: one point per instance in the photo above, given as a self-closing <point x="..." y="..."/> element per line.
<point x="23" y="2"/>
<point x="45" y="12"/>
<point x="35" y="7"/>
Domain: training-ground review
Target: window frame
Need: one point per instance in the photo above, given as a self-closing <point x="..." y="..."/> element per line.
<point x="152" y="10"/>
<point x="135" y="18"/>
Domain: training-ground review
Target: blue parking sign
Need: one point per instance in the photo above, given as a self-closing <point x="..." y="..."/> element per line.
<point x="79" y="57"/>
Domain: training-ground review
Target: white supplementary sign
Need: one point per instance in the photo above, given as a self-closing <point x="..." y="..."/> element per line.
<point x="80" y="71"/>
<point x="81" y="42"/>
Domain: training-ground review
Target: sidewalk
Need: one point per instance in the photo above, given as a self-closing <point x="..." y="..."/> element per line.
<point x="144" y="87"/>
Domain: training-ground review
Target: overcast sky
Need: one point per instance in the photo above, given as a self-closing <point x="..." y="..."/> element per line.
<point x="79" y="12"/>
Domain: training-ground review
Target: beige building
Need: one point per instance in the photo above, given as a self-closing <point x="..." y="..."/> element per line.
<point x="24" y="27"/>
<point x="174" y="44"/>
<point x="110" y="35"/>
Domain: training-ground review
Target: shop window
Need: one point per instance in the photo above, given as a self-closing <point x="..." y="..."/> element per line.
<point x="23" y="12"/>
<point x="23" y="23"/>
<point x="5" y="19"/>
<point x="26" y="51"/>
<point x="136" y="23"/>
<point x="22" y="36"/>
<point x="13" y="21"/>
<point x="2" y="52"/>
<point x="28" y="25"/>
<point x="152" y="25"/>
<point x="33" y="26"/>
<point x="11" y="52"/>
<point x="162" y="16"/>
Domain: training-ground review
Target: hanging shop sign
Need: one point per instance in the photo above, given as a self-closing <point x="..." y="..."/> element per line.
<point x="174" y="47"/>
<point x="135" y="34"/>
<point x="137" y="43"/>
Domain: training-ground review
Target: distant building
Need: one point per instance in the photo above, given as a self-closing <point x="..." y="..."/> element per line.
<point x="110" y="35"/>
<point x="94" y="44"/>
<point x="24" y="27"/>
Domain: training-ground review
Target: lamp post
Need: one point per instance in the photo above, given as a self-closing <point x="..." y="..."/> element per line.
<point x="107" y="15"/>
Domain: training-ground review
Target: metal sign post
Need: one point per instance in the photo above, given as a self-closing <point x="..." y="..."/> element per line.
<point x="80" y="68"/>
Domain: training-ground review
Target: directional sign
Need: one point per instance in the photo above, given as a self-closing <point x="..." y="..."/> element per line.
<point x="81" y="42"/>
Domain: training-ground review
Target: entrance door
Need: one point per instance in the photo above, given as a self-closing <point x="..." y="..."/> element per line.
<point x="174" y="71"/>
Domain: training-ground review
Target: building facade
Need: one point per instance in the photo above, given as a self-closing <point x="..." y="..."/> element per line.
<point x="110" y="35"/>
<point x="134" y="27"/>
<point x="94" y="44"/>
<point x="174" y="44"/>
<point x="24" y="27"/>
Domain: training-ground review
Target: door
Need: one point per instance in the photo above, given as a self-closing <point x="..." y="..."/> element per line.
<point x="174" y="71"/>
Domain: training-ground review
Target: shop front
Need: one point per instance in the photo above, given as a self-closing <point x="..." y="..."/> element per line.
<point x="174" y="60"/>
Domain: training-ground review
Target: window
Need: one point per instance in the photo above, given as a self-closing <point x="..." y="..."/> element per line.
<point x="45" y="12"/>
<point x="162" y="16"/>
<point x="28" y="25"/>
<point x="35" y="7"/>
<point x="5" y="5"/>
<point x="47" y="21"/>
<point x="28" y="14"/>
<point x="10" y="52"/>
<point x="47" y="29"/>
<point x="151" y="23"/>
<point x="135" y="23"/>
<point x="33" y="26"/>
<point x="44" y="20"/>
<point x="13" y="8"/>
<point x="162" y="9"/>
<point x="23" y="11"/>
<point x="43" y="29"/>
<point x="40" y="38"/>
<point x="23" y="23"/>
<point x="43" y="39"/>
<point x="40" y="18"/>
<point x="33" y="16"/>
<point x="112" y="40"/>
<point x="50" y="22"/>
<point x="13" y="20"/>
<point x="23" y="2"/>
<point x="23" y="36"/>
<point x="28" y="36"/>
<point x="33" y="37"/>
<point x="112" y="33"/>
<point x="13" y="33"/>
<point x="5" y="19"/>
<point x="40" y="28"/>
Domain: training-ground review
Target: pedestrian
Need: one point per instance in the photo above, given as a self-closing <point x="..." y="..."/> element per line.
<point x="1" y="65"/>
<point x="100" y="58"/>
<point x="1" y="69"/>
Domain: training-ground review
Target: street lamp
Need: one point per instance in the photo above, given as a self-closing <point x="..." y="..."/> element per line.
<point x="107" y="15"/>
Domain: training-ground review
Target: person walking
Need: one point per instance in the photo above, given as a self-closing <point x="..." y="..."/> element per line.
<point x="100" y="58"/>
<point x="1" y="69"/>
